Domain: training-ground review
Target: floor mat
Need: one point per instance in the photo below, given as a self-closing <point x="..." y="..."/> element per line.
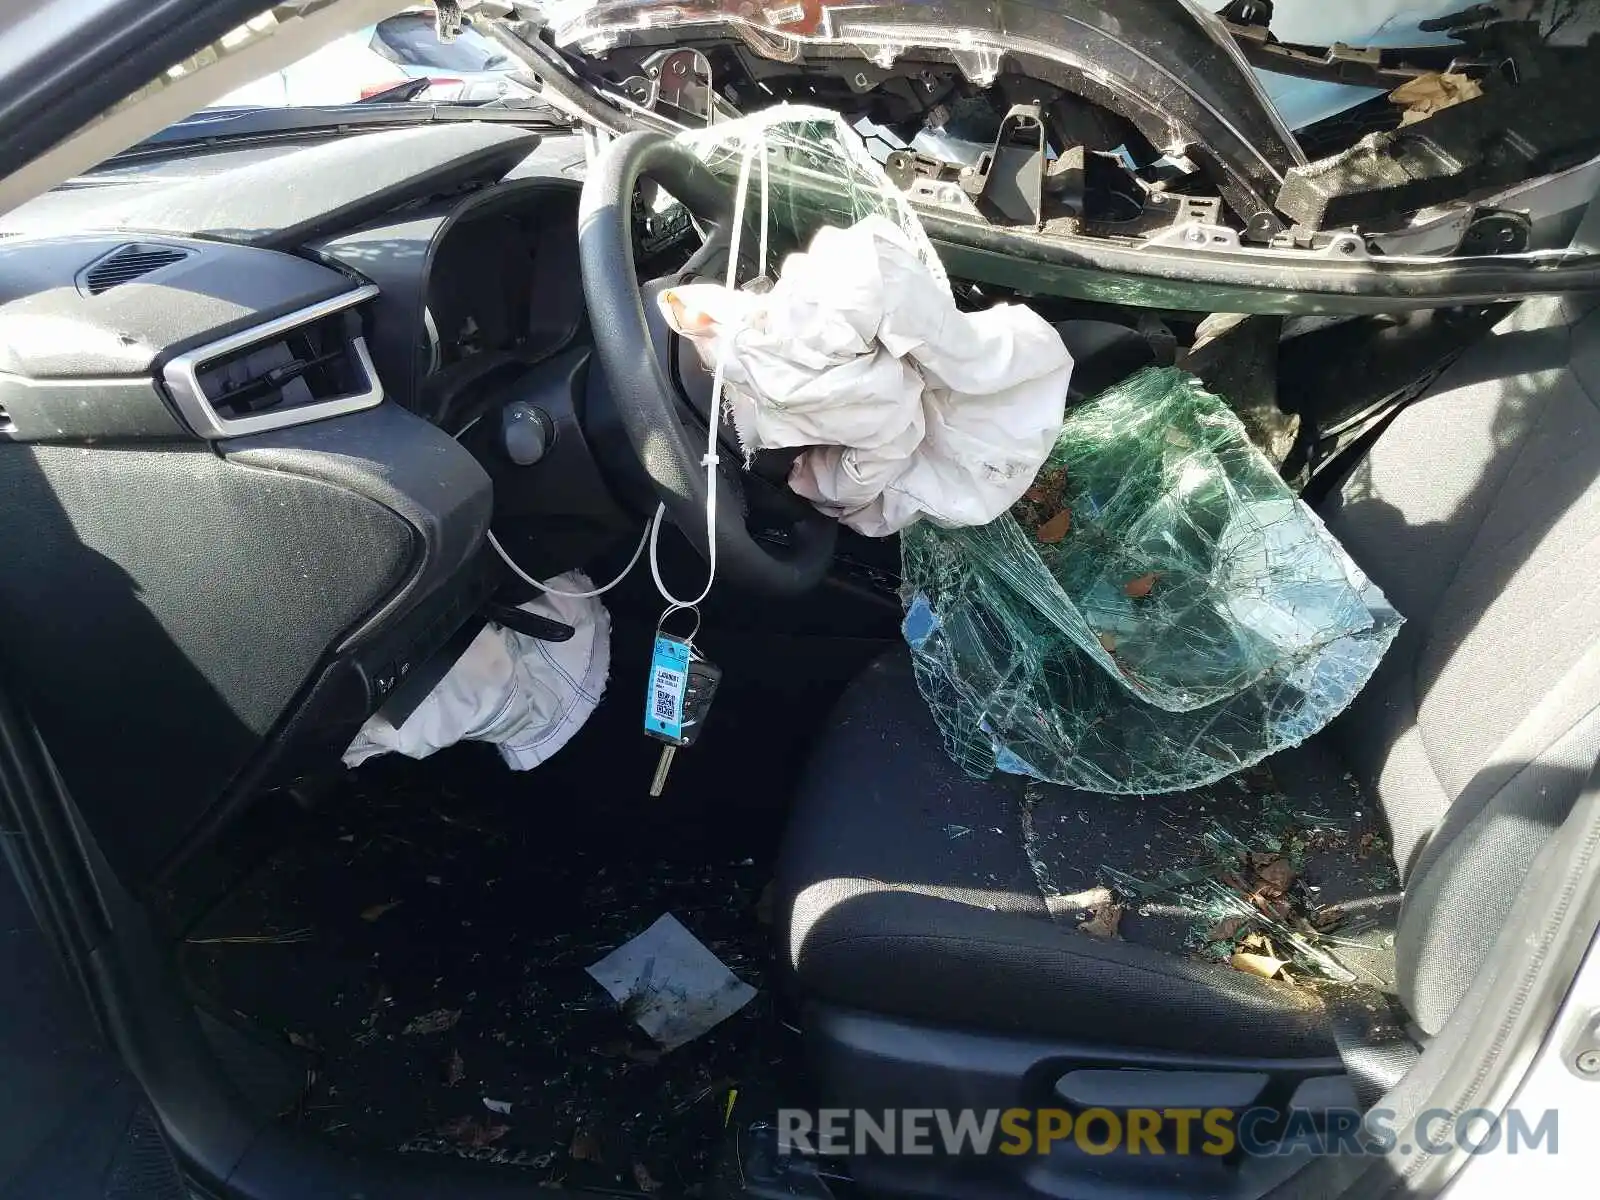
<point x="426" y="932"/>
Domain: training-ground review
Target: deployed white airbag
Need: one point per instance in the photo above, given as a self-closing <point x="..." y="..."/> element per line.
<point x="907" y="407"/>
<point x="526" y="696"/>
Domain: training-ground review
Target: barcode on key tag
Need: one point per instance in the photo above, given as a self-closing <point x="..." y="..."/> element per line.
<point x="669" y="677"/>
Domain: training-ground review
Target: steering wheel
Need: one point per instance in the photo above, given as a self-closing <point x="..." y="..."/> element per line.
<point x="646" y="401"/>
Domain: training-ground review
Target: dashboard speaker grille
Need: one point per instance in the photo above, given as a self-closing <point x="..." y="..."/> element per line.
<point x="128" y="263"/>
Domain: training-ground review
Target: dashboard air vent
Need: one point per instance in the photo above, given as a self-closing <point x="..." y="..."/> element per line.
<point x="303" y="367"/>
<point x="128" y="263"/>
<point x="306" y="365"/>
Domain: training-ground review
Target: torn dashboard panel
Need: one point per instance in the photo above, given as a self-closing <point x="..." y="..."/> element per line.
<point x="1128" y="151"/>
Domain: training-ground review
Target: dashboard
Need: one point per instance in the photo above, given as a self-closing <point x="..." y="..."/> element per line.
<point x="249" y="451"/>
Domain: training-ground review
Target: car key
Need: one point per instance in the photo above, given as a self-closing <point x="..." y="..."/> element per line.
<point x="682" y="685"/>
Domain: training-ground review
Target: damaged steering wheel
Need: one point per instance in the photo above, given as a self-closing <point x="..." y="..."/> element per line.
<point x="671" y="453"/>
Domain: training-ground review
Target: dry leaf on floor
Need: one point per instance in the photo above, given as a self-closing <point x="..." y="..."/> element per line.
<point x="646" y="1182"/>
<point x="1107" y="643"/>
<point x="1327" y="917"/>
<point x="1272" y="902"/>
<point x="1433" y="92"/>
<point x="469" y="1131"/>
<point x="455" y="1069"/>
<point x="1226" y="929"/>
<point x="439" y="1020"/>
<point x="1078" y="901"/>
<point x="1276" y="873"/>
<point x="303" y="1040"/>
<point x="1254" y="941"/>
<point x="1047" y="487"/>
<point x="373" y="911"/>
<point x="585" y="1147"/>
<point x="628" y="1050"/>
<point x="1056" y="528"/>
<point x="1263" y="965"/>
<point x="1103" y="922"/>
<point x="1138" y="589"/>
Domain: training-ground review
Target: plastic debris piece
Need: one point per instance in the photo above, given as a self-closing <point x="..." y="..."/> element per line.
<point x="1197" y="618"/>
<point x="503" y="1107"/>
<point x="670" y="985"/>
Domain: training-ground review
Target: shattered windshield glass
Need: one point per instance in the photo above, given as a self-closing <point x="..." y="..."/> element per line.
<point x="796" y="170"/>
<point x="1158" y="611"/>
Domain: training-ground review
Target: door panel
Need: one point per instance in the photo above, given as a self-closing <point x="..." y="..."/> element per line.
<point x="73" y="1124"/>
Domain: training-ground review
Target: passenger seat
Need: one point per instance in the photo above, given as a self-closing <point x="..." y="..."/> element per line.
<point x="935" y="971"/>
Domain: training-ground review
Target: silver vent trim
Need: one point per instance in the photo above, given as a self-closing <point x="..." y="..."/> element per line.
<point x="182" y="375"/>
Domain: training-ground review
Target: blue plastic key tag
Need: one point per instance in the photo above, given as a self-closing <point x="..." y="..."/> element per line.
<point x="669" y="680"/>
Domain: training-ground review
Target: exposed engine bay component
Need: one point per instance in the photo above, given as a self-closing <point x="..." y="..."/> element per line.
<point x="1357" y="66"/>
<point x="1012" y="179"/>
<point x="678" y="83"/>
<point x="952" y="66"/>
<point x="1112" y="167"/>
<point x="1510" y="133"/>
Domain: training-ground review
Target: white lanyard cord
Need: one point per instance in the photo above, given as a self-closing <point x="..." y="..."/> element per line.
<point x="710" y="460"/>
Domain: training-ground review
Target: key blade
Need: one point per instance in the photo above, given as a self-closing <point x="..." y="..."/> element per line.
<point x="658" y="783"/>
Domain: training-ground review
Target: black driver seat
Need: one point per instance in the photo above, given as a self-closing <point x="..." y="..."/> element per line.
<point x="927" y="917"/>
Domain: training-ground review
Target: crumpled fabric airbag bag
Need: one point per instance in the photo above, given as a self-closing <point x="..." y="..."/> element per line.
<point x="906" y="406"/>
<point x="526" y="696"/>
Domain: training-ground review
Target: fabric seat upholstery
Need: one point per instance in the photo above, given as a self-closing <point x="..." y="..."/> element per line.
<point x="906" y="888"/>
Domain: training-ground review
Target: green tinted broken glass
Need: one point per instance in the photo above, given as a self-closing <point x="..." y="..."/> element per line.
<point x="1158" y="612"/>
<point x="796" y="169"/>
